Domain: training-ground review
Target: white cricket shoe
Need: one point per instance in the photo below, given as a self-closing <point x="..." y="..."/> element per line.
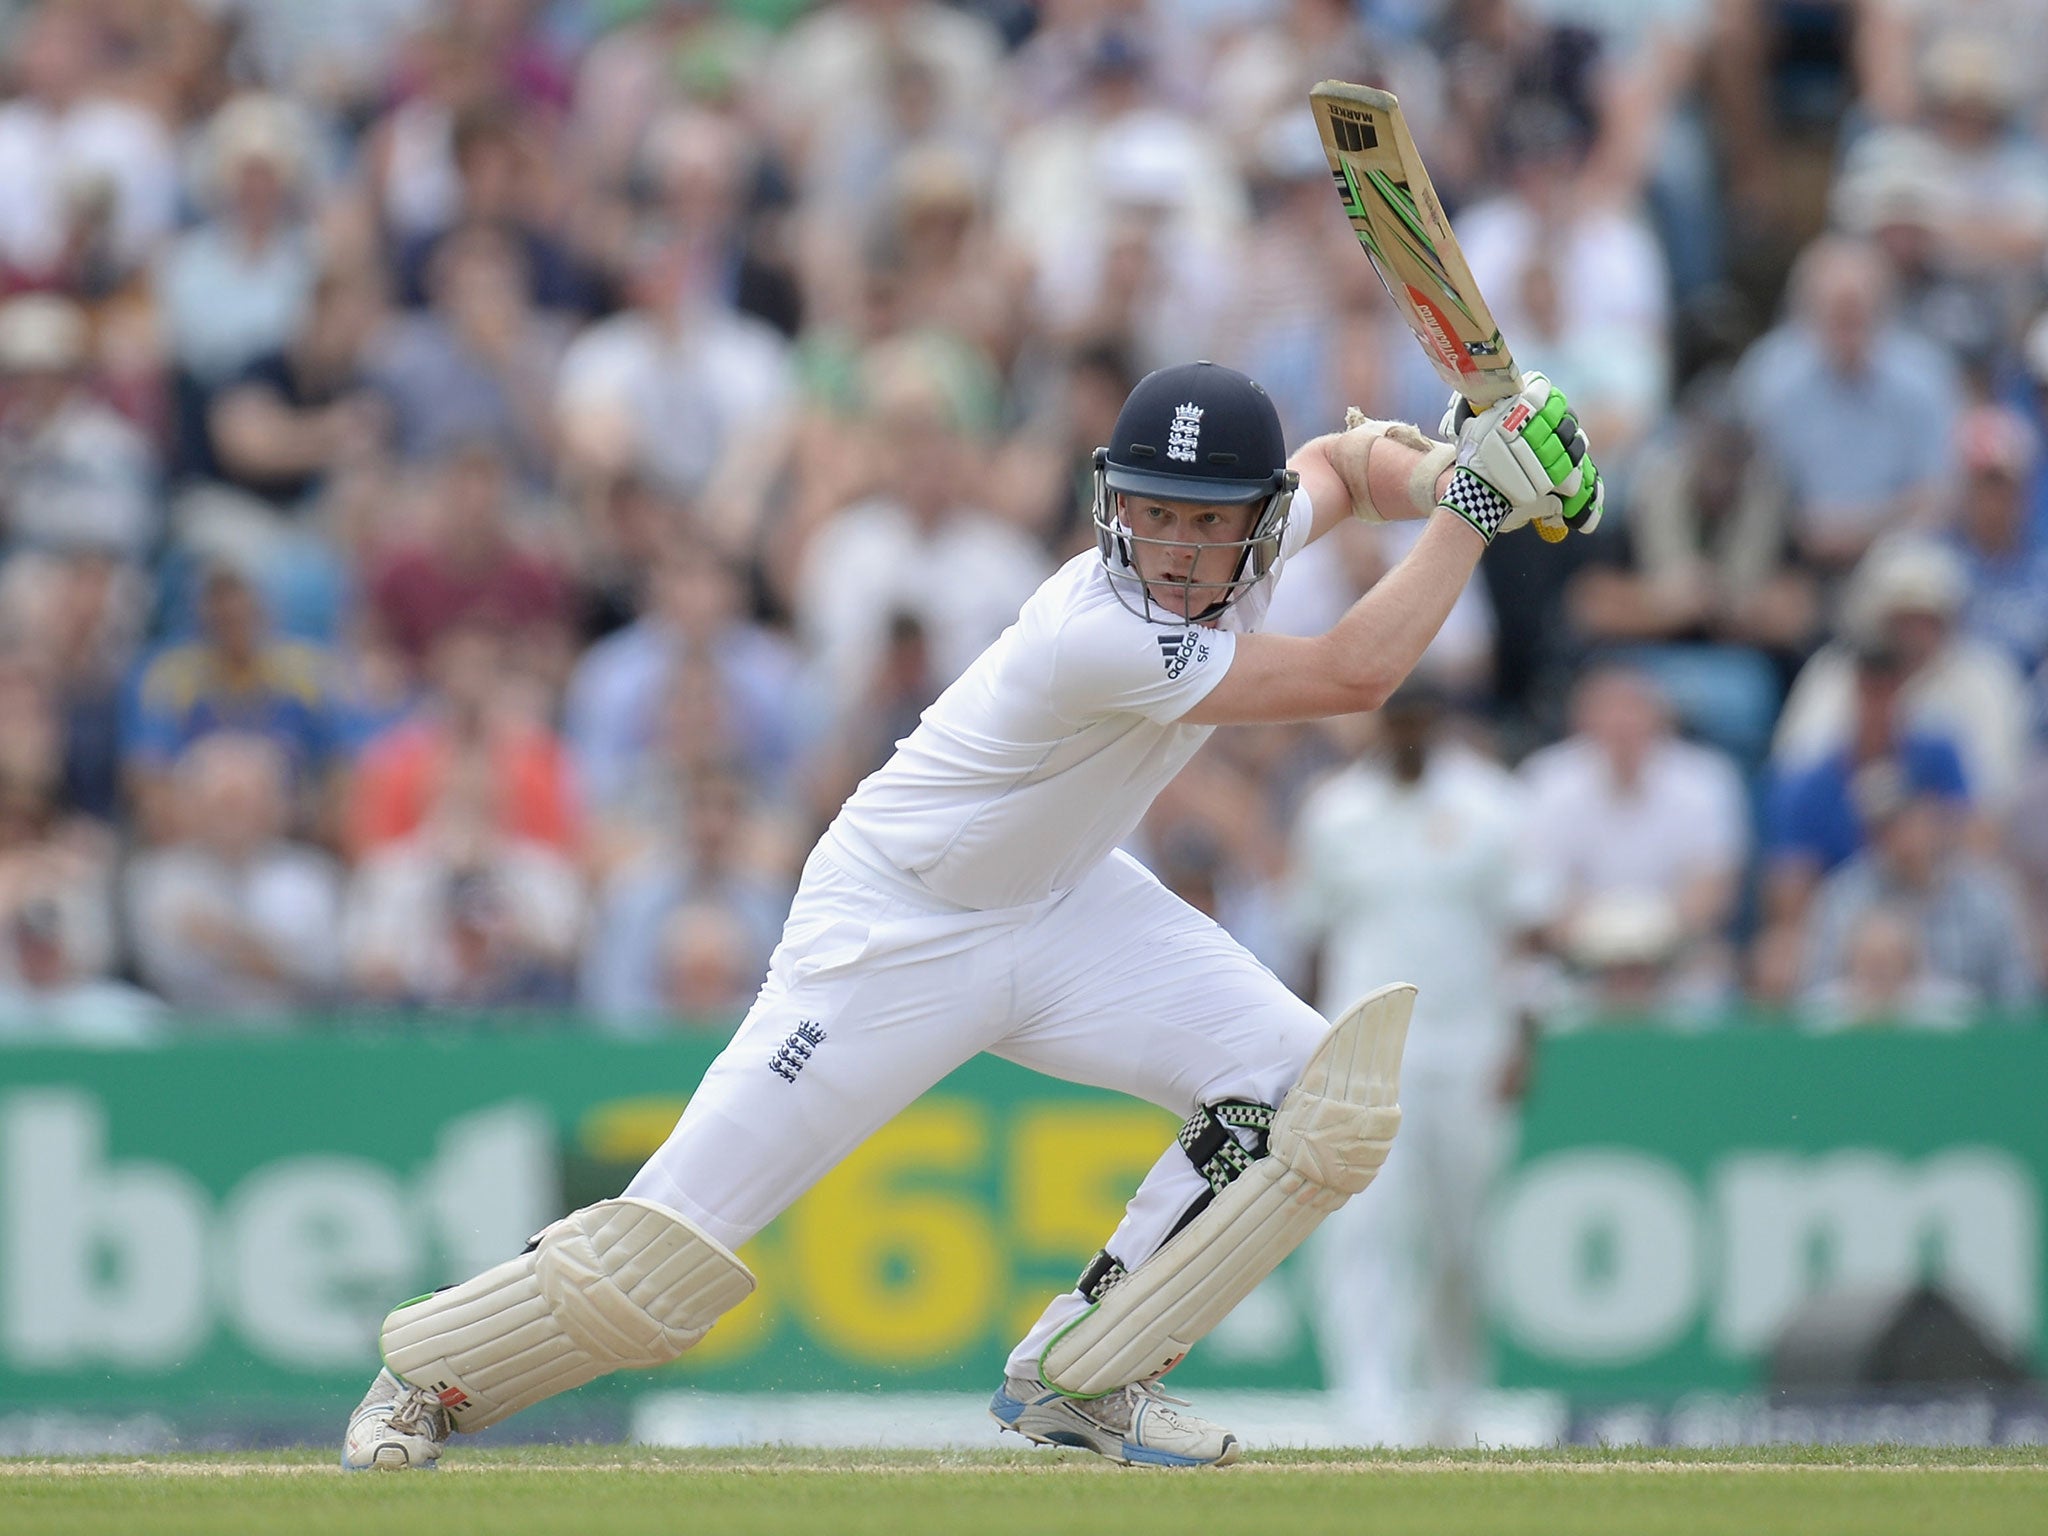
<point x="1136" y="1425"/>
<point x="395" y="1428"/>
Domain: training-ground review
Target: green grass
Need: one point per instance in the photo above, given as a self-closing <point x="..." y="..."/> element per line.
<point x="624" y="1491"/>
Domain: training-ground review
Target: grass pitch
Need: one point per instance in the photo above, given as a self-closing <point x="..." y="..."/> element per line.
<point x="625" y="1491"/>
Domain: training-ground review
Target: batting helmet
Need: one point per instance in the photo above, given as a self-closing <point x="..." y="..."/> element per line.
<point x="1196" y="432"/>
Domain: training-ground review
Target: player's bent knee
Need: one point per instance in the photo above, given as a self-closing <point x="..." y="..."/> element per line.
<point x="624" y="1284"/>
<point x="1325" y="1143"/>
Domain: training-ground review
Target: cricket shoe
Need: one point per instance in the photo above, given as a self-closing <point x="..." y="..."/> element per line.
<point x="1138" y="1425"/>
<point x="395" y="1428"/>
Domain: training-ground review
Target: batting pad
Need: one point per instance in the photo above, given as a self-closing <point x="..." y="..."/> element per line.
<point x="617" y="1285"/>
<point x="1328" y="1140"/>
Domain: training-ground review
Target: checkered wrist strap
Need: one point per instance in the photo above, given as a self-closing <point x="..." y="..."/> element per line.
<point x="1476" y="502"/>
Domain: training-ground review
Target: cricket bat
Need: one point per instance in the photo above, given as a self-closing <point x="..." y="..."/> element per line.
<point x="1394" y="211"/>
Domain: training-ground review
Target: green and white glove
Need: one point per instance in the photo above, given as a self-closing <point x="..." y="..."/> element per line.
<point x="1522" y="459"/>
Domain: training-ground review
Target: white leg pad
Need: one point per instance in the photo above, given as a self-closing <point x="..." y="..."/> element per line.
<point x="624" y="1284"/>
<point x="1328" y="1140"/>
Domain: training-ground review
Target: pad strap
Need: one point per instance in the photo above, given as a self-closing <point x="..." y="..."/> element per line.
<point x="1219" y="1157"/>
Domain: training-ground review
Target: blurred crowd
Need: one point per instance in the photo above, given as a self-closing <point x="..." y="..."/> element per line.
<point x="482" y="480"/>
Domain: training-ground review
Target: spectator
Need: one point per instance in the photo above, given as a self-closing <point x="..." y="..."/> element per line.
<point x="850" y="54"/>
<point x="1128" y="211"/>
<point x="75" y="620"/>
<point x="477" y="711"/>
<point x="1897" y="197"/>
<point x="73" y="474"/>
<point x="1623" y="808"/>
<point x="1896" y="41"/>
<point x="613" y="710"/>
<point x="462" y="61"/>
<point x="231" y="918"/>
<point x="1854" y="413"/>
<point x="44" y="1000"/>
<point x="1970" y="135"/>
<point x="478" y="365"/>
<point x="675" y="387"/>
<point x="1700" y="581"/>
<point x="459" y="915"/>
<point x="629" y="75"/>
<point x="1263" y="68"/>
<point x="2006" y="570"/>
<point x="503" y="184"/>
<point x="1907" y="596"/>
<point x="715" y="860"/>
<point x="88" y="185"/>
<point x="919" y="545"/>
<point x="1965" y="909"/>
<point x="234" y="289"/>
<point x="707" y="977"/>
<point x="708" y="182"/>
<point x="335" y="56"/>
<point x="56" y="867"/>
<point x="1885" y="980"/>
<point x="233" y="676"/>
<point x="1653" y="144"/>
<point x="469" y="565"/>
<point x="623" y="525"/>
<point x="953" y="275"/>
<point x="1626" y="963"/>
<point x="297" y="416"/>
<point x="1812" y="819"/>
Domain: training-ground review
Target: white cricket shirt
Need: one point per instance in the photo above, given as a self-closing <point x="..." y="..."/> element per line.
<point x="1046" y="752"/>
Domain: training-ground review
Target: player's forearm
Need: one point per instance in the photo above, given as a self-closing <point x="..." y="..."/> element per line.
<point x="1391" y="471"/>
<point x="1383" y="635"/>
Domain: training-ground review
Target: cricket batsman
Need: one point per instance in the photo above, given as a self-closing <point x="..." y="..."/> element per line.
<point x="971" y="896"/>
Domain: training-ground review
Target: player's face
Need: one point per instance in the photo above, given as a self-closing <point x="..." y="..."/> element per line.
<point x="1186" y="552"/>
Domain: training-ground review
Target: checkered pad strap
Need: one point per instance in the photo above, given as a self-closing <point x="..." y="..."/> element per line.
<point x="1103" y="1271"/>
<point x="1476" y="502"/>
<point x="1219" y="1156"/>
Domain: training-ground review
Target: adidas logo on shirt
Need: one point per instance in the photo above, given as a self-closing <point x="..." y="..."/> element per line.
<point x="1181" y="649"/>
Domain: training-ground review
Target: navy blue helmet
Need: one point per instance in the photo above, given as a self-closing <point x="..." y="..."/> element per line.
<point x="1196" y="432"/>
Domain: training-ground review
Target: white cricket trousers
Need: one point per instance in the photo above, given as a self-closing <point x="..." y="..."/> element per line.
<point x="879" y="989"/>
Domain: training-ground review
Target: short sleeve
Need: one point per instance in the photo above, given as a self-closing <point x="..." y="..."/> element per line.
<point x="1111" y="662"/>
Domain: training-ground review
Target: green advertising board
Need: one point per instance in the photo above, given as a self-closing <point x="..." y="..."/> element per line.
<point x="1676" y="1202"/>
<point x="216" y="1226"/>
<point x="224" y="1221"/>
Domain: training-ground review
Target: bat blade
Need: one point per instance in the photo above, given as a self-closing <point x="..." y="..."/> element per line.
<point x="1400" y="224"/>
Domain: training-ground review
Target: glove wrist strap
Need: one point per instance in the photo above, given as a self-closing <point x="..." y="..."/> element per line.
<point x="1476" y="502"/>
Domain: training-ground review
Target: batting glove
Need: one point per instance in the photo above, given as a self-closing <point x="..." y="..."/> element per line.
<point x="1530" y="454"/>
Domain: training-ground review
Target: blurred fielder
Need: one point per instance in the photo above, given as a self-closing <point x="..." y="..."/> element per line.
<point x="971" y="897"/>
<point x="1415" y="861"/>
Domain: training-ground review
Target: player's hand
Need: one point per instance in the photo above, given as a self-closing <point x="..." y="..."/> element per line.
<point x="1531" y="453"/>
